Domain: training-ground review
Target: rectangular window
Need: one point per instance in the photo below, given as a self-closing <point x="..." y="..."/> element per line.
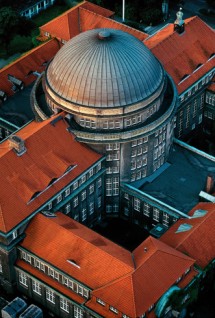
<point x="165" y="219"/>
<point x="14" y="234"/>
<point x="78" y="312"/>
<point x="90" y="173"/>
<point x="156" y="214"/>
<point x="146" y="210"/>
<point x="91" y="189"/>
<point x="51" y="272"/>
<point x="83" y="195"/>
<point x="67" y="192"/>
<point x="83" y="214"/>
<point x="49" y="205"/>
<point x="99" y="201"/>
<point x="99" y="183"/>
<point x="64" y="305"/>
<point x="23" y="279"/>
<point x="36" y="287"/>
<point x="75" y="185"/>
<point x="137" y="204"/>
<point x="91" y="207"/>
<point x="50" y="296"/>
<point x="75" y="202"/>
<point x="83" y="179"/>
<point x="68" y="208"/>
<point x="59" y="198"/>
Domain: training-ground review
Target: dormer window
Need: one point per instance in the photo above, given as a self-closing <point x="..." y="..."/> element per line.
<point x="113" y="310"/>
<point x="101" y="302"/>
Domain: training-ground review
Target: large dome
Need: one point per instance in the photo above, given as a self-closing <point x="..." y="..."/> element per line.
<point x="104" y="68"/>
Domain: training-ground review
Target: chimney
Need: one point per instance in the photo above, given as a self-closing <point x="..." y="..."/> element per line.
<point x="209" y="184"/>
<point x="17" y="144"/>
<point x="179" y="22"/>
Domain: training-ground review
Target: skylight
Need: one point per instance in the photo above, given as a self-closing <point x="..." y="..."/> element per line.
<point x="72" y="262"/>
<point x="199" y="213"/>
<point x="184" y="228"/>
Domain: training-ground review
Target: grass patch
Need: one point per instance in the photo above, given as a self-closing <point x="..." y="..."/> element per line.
<point x="47" y="15"/>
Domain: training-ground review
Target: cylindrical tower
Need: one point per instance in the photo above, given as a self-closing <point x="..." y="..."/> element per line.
<point x="120" y="100"/>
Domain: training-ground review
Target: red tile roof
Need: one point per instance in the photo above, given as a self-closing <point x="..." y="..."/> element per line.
<point x="51" y="149"/>
<point x="100" y="260"/>
<point x="180" y="54"/>
<point x="30" y="62"/>
<point x="199" y="241"/>
<point x="130" y="282"/>
<point x="68" y="24"/>
<point x="158" y="266"/>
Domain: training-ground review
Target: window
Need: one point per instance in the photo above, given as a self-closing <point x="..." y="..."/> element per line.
<point x="14" y="235"/>
<point x="156" y="213"/>
<point x="59" y="198"/>
<point x="23" y="279"/>
<point x="99" y="183"/>
<point x="83" y="179"/>
<point x="42" y="267"/>
<point x="83" y="214"/>
<point x="37" y="263"/>
<point x="75" y="185"/>
<point x="86" y="293"/>
<point x="80" y="290"/>
<point x="36" y="287"/>
<point x="50" y="296"/>
<point x="151" y="307"/>
<point x="146" y="210"/>
<point x="137" y="204"/>
<point x="64" y="305"/>
<point x="113" y="309"/>
<point x="68" y="208"/>
<point x="165" y="219"/>
<point x="75" y="202"/>
<point x="99" y="201"/>
<point x="99" y="166"/>
<point x="51" y="272"/>
<point x="83" y="195"/>
<point x="67" y="192"/>
<point x="91" y="207"/>
<point x="78" y="312"/>
<point x="28" y="258"/>
<point x="101" y="302"/>
<point x="90" y="173"/>
<point x="49" y="205"/>
<point x="91" y="189"/>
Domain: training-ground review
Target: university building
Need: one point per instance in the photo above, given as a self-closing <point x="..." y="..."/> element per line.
<point x="94" y="124"/>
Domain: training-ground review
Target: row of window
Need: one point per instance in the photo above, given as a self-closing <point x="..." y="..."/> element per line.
<point x="210" y="99"/>
<point x="149" y="211"/>
<point x="139" y="174"/>
<point x="112" y="186"/>
<point x="74" y="186"/>
<point x="117" y="124"/>
<point x="77" y="288"/>
<point x="111" y="308"/>
<point x="198" y="85"/>
<point x="50" y="295"/>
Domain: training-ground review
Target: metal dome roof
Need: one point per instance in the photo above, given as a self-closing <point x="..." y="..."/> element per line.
<point x="104" y="68"/>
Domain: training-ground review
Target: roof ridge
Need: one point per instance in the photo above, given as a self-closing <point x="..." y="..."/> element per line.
<point x="64" y="13"/>
<point x="97" y="247"/>
<point x="114" y="21"/>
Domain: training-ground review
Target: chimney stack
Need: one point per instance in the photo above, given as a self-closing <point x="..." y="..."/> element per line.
<point x="209" y="184"/>
<point x="17" y="144"/>
<point x="179" y="22"/>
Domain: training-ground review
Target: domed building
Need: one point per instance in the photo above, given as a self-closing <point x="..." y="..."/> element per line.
<point x="119" y="101"/>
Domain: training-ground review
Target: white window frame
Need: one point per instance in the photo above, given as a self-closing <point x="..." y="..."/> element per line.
<point x="78" y="312"/>
<point x="67" y="192"/>
<point x="36" y="287"/>
<point x="137" y="204"/>
<point x="64" y="304"/>
<point x="50" y="296"/>
<point x="23" y="279"/>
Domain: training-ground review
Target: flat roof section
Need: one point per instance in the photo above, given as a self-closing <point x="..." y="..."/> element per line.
<point x="180" y="183"/>
<point x="17" y="109"/>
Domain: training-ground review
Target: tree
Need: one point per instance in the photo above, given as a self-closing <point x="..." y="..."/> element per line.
<point x="9" y="20"/>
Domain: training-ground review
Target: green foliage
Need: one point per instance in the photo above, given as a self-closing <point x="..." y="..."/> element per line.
<point x="19" y="44"/>
<point x="151" y="16"/>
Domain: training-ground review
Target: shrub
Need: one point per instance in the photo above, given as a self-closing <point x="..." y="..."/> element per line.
<point x="151" y="16"/>
<point x="20" y="44"/>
